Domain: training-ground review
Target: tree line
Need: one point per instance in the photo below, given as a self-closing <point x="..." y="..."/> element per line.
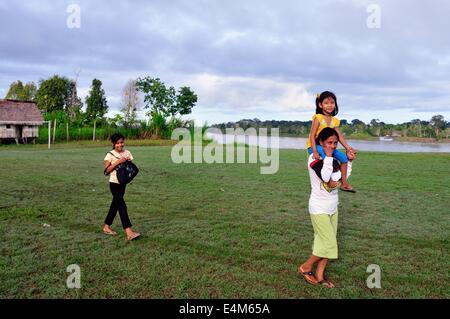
<point x="58" y="100"/>
<point x="437" y="127"/>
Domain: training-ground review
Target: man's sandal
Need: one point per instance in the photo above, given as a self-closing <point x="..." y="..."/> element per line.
<point x="309" y="276"/>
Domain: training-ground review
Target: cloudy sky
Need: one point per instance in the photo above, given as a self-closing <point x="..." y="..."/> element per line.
<point x="246" y="58"/>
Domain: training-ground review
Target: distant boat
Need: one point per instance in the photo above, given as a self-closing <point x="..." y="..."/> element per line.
<point x="386" y="138"/>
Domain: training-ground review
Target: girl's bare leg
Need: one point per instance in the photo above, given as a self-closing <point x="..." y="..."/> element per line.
<point x="344" y="176"/>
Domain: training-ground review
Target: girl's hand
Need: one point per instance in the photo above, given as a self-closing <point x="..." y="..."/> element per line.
<point x="122" y="160"/>
<point x="351" y="154"/>
<point x="316" y="155"/>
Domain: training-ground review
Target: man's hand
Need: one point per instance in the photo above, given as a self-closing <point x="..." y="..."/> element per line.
<point x="316" y="155"/>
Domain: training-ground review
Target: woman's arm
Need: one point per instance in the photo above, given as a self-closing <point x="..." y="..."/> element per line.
<point x="327" y="168"/>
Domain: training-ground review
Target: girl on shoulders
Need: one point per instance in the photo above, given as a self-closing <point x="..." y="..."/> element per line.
<point x="326" y="110"/>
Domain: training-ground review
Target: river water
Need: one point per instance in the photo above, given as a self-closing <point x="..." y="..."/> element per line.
<point x="300" y="143"/>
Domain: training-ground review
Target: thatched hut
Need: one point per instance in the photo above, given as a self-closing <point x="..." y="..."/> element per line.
<point x="19" y="120"/>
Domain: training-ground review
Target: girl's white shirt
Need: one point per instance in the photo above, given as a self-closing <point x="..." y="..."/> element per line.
<point x="110" y="158"/>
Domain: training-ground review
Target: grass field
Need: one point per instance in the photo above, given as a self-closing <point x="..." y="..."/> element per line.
<point x="217" y="231"/>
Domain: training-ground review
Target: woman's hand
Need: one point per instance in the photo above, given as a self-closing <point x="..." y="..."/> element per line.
<point x="316" y="155"/>
<point x="328" y="150"/>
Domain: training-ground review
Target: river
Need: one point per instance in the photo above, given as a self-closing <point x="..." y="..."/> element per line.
<point x="360" y="145"/>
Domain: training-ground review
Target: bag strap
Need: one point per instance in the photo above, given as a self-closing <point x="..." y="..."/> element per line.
<point x="113" y="155"/>
<point x="104" y="172"/>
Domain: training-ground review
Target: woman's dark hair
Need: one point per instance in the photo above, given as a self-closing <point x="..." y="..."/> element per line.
<point x="115" y="138"/>
<point x="320" y="98"/>
<point x="325" y="134"/>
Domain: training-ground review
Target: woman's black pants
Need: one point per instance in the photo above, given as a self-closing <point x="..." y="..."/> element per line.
<point x="118" y="204"/>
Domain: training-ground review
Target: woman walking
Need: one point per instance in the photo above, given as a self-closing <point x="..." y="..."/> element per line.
<point x="115" y="157"/>
<point x="323" y="208"/>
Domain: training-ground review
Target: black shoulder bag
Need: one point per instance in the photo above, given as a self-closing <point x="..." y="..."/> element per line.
<point x="125" y="172"/>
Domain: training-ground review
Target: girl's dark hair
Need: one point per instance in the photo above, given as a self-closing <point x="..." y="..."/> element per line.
<point x="325" y="134"/>
<point x="115" y="138"/>
<point x="320" y="98"/>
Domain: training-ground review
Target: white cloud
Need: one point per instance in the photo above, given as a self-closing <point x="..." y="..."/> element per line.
<point x="248" y="93"/>
<point x="244" y="59"/>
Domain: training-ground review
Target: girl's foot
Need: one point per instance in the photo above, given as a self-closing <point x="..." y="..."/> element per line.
<point x="133" y="236"/>
<point x="108" y="231"/>
<point x="347" y="188"/>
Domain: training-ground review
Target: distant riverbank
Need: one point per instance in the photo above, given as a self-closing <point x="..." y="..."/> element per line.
<point x="375" y="138"/>
<point x="375" y="145"/>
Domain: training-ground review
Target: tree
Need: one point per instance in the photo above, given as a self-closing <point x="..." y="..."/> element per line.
<point x="185" y="101"/>
<point x="357" y="122"/>
<point x="73" y="104"/>
<point x="375" y="126"/>
<point x="165" y="101"/>
<point x="116" y="120"/>
<point x="358" y="125"/>
<point x="17" y="91"/>
<point x="53" y="94"/>
<point x="29" y="91"/>
<point x="438" y="123"/>
<point x="416" y="123"/>
<point x="96" y="104"/>
<point x="130" y="102"/>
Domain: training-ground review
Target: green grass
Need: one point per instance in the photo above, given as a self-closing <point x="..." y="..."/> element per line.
<point x="217" y="231"/>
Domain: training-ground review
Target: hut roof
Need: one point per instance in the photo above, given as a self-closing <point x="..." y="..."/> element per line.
<point x="20" y="112"/>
